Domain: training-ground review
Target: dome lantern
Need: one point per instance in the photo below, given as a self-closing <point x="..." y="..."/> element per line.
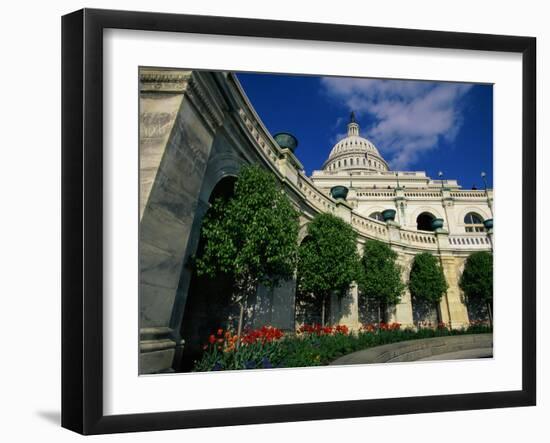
<point x="353" y="126"/>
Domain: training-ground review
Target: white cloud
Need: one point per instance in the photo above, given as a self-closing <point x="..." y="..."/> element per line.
<point x="409" y="117"/>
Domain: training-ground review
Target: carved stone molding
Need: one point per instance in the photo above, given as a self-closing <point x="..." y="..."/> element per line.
<point x="191" y="83"/>
<point x="155" y="80"/>
<point x="205" y="99"/>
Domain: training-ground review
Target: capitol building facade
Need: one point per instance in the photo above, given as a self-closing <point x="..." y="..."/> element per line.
<point x="197" y="129"/>
<point x="355" y="163"/>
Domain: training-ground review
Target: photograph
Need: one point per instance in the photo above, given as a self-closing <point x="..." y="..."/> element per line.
<point x="290" y="221"/>
<point x="274" y="221"/>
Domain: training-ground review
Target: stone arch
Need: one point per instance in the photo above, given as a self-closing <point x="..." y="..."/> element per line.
<point x="302" y="233"/>
<point x="372" y="209"/>
<point x="208" y="302"/>
<point x="467" y="209"/>
<point x="376" y="215"/>
<point x="436" y="212"/>
<point x="424" y="221"/>
<point x="222" y="168"/>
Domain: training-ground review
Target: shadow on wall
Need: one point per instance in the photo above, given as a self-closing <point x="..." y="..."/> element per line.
<point x="424" y="312"/>
<point x="309" y="309"/>
<point x="368" y="310"/>
<point x="477" y="310"/>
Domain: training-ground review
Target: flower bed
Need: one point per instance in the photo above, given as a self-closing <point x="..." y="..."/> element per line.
<point x="312" y="345"/>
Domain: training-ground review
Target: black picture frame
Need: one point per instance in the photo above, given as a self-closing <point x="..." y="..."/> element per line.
<point x="82" y="218"/>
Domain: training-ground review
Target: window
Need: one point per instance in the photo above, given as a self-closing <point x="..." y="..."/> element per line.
<point x="473" y="222"/>
<point x="351" y="161"/>
<point x="345" y="162"/>
<point x="377" y="216"/>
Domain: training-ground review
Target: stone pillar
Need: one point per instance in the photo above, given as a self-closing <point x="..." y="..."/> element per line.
<point x="448" y="211"/>
<point x="490" y="237"/>
<point x="343" y="210"/>
<point x="393" y="231"/>
<point x="402" y="312"/>
<point x="453" y="309"/>
<point x="289" y="165"/>
<point x="172" y="170"/>
<point x="400" y="206"/>
<point x="344" y="310"/>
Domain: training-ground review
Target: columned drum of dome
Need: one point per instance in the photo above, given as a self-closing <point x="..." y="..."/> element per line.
<point x="355" y="153"/>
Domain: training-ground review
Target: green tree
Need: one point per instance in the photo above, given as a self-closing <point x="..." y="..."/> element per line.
<point x="327" y="259"/>
<point x="381" y="277"/>
<point x="252" y="236"/>
<point x="427" y="281"/>
<point x="477" y="279"/>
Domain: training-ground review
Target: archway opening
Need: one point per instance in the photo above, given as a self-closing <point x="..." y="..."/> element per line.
<point x="424" y="222"/>
<point x="208" y="306"/>
<point x="377" y="216"/>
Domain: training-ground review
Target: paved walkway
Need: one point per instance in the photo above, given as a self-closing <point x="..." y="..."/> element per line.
<point x="439" y="348"/>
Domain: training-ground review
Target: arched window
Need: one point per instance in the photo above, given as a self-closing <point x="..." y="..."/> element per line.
<point x="345" y="162"/>
<point x="473" y="222"/>
<point x="424" y="221"/>
<point x="377" y="216"/>
<point x="351" y="161"/>
<point x="364" y="161"/>
<point x="338" y="163"/>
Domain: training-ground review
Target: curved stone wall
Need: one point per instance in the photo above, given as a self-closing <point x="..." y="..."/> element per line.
<point x="423" y="349"/>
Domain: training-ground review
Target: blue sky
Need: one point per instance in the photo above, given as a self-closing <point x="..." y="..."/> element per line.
<point x="416" y="125"/>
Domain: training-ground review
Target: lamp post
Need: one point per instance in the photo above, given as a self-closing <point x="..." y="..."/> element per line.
<point x="484" y="177"/>
<point x="440" y="175"/>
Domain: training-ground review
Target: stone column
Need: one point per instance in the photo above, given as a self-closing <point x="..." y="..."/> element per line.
<point x="402" y="312"/>
<point x="343" y="210"/>
<point x="453" y="309"/>
<point x="172" y="170"/>
<point x="400" y="206"/>
<point x="490" y="237"/>
<point x="345" y="309"/>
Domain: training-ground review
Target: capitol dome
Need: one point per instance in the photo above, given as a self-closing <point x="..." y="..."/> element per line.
<point x="354" y="153"/>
